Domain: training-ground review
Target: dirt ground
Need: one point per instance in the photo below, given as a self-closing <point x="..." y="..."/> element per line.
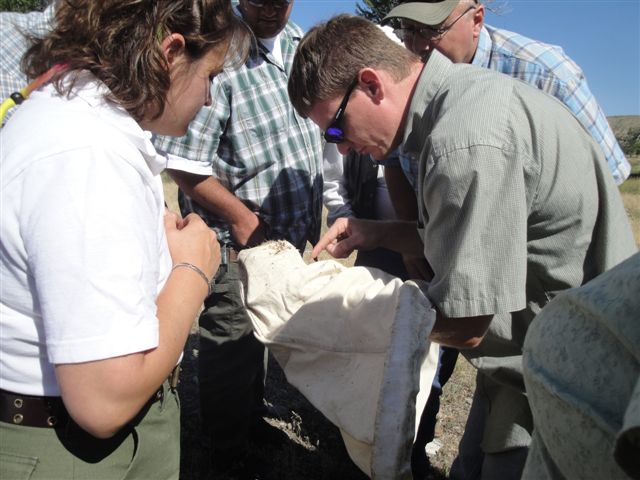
<point x="310" y="447"/>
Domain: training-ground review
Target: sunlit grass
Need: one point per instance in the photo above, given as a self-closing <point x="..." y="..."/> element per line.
<point x="632" y="206"/>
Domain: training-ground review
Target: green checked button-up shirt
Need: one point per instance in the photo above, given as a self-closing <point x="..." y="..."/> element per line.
<point x="255" y="144"/>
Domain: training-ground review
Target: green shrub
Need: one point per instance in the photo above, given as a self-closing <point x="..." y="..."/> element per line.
<point x="22" y="5"/>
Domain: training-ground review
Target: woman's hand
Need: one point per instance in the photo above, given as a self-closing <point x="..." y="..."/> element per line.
<point x="192" y="241"/>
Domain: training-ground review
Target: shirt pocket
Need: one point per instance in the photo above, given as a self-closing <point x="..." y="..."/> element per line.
<point x="265" y="113"/>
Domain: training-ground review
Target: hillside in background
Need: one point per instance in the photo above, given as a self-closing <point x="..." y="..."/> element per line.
<point x="626" y="128"/>
<point x="621" y="124"/>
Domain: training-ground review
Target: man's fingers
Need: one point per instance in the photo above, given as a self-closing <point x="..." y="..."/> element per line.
<point x="329" y="238"/>
<point x="341" y="248"/>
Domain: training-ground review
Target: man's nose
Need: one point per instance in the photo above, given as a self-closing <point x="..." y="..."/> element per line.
<point x="268" y="10"/>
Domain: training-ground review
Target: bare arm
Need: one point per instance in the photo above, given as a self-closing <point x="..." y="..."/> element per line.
<point x="212" y="195"/>
<point x="463" y="333"/>
<point x="405" y="204"/>
<point x="403" y="197"/>
<point x="103" y="395"/>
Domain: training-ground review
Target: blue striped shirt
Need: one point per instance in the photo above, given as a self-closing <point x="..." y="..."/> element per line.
<point x="548" y="68"/>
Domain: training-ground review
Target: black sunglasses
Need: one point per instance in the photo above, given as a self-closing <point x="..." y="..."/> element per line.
<point x="276" y="4"/>
<point x="335" y="133"/>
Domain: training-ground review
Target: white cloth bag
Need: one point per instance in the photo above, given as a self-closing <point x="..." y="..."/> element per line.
<point x="354" y="341"/>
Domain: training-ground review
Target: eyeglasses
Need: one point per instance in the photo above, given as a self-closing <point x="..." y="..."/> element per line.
<point x="279" y="4"/>
<point x="427" y="32"/>
<point x="335" y="132"/>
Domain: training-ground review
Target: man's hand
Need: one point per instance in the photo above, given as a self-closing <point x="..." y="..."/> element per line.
<point x="347" y="235"/>
<point x="250" y="232"/>
<point x="191" y="241"/>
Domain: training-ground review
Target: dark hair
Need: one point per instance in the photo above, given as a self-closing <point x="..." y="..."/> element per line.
<point x="331" y="54"/>
<point x="119" y="41"/>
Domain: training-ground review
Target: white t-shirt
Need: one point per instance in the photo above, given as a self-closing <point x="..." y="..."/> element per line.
<point x="84" y="252"/>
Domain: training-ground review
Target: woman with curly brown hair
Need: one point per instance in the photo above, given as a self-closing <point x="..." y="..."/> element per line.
<point x="100" y="285"/>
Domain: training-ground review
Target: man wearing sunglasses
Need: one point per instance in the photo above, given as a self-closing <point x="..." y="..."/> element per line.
<point x="456" y="29"/>
<point x="251" y="168"/>
<point x="516" y="204"/>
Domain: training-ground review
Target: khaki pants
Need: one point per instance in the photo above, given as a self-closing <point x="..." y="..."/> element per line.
<point x="148" y="449"/>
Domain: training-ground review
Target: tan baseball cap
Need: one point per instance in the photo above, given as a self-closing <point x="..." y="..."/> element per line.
<point x="425" y="12"/>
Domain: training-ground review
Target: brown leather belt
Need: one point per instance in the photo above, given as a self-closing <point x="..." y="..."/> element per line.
<point x="32" y="411"/>
<point x="50" y="412"/>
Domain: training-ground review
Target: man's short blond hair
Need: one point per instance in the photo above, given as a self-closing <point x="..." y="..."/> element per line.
<point x="332" y="53"/>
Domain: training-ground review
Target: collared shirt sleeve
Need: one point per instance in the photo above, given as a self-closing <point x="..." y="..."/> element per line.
<point x="475" y="219"/>
<point x="94" y="261"/>
<point x="335" y="196"/>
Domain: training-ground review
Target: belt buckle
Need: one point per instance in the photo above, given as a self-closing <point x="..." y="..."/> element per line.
<point x="174" y="377"/>
<point x="224" y="260"/>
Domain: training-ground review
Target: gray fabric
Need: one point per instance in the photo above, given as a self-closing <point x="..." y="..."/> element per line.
<point x="473" y="462"/>
<point x="627" y="446"/>
<point x="582" y="364"/>
<point x="516" y="204"/>
<point x="354" y="341"/>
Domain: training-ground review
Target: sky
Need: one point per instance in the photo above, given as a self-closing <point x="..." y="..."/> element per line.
<point x="601" y="36"/>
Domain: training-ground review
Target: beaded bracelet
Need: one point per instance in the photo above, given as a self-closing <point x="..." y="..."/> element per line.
<point x="191" y="266"/>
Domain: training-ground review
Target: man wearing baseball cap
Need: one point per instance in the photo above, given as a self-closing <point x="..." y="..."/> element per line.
<point x="456" y="29"/>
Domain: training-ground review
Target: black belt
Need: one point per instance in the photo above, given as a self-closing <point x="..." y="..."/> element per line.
<point x="50" y="412"/>
<point x="32" y="411"/>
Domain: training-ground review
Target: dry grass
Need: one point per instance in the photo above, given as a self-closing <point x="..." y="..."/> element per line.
<point x="630" y="191"/>
<point x="632" y="205"/>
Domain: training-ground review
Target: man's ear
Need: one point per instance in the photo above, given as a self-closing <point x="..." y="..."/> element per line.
<point x="371" y="83"/>
<point x="478" y="20"/>
<point x="173" y="46"/>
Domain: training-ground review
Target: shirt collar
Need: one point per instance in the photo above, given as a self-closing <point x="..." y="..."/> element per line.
<point x="434" y="73"/>
<point x="92" y="91"/>
<point x="483" y="50"/>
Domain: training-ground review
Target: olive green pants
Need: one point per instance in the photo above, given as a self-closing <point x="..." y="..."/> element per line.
<point x="148" y="449"/>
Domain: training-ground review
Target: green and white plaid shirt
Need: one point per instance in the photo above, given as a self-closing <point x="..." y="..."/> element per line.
<point x="255" y="144"/>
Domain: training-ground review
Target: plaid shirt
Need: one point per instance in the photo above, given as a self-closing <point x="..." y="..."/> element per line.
<point x="255" y="144"/>
<point x="13" y="45"/>
<point x="549" y="69"/>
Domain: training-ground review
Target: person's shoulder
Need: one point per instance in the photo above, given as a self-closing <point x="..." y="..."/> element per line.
<point x="31" y="23"/>
<point x="293" y="31"/>
<point x="514" y="51"/>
